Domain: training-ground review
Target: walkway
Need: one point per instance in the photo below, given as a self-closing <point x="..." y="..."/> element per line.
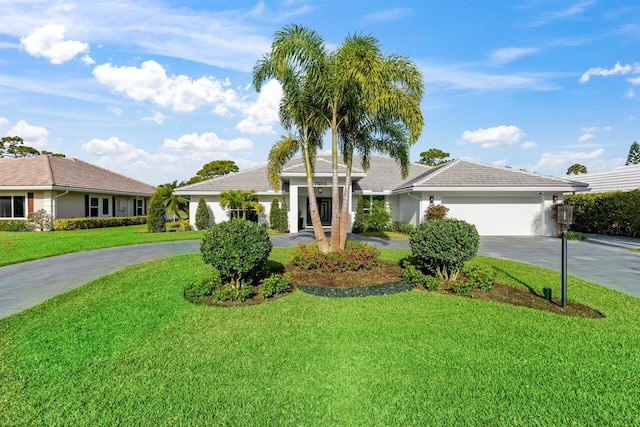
<point x="604" y="260"/>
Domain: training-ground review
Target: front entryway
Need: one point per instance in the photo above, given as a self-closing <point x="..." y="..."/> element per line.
<point x="324" y="209"/>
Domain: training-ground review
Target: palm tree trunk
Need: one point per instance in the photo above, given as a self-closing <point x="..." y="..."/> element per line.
<point x="344" y="212"/>
<point x="321" y="238"/>
<point x="335" y="191"/>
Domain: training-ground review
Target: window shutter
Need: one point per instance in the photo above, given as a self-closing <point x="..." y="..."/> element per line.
<point x="86" y="206"/>
<point x="29" y="203"/>
<point x="113" y="205"/>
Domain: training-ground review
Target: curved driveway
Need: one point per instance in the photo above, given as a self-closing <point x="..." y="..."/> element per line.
<point x="604" y="260"/>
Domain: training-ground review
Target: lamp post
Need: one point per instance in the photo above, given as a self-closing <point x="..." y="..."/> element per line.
<point x="565" y="219"/>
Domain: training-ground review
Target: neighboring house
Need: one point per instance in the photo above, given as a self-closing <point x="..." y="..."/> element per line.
<point x="497" y="200"/>
<point x="67" y="188"/>
<point x="624" y="178"/>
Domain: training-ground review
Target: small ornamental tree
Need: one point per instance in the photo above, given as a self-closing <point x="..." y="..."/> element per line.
<point x="633" y="158"/>
<point x="203" y="216"/>
<point x="39" y="221"/>
<point x="441" y="246"/>
<point x="435" y="212"/>
<point x="156" y="222"/>
<point x="238" y="249"/>
<point x="278" y="216"/>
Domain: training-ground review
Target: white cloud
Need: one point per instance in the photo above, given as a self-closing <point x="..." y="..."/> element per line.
<point x="4" y="121"/>
<point x="635" y="81"/>
<point x="34" y="136"/>
<point x="115" y="148"/>
<point x="617" y="69"/>
<point x="115" y="110"/>
<point x="566" y="158"/>
<point x="501" y="162"/>
<point x="631" y="94"/>
<point x="208" y="141"/>
<point x="263" y="114"/>
<point x="388" y="15"/>
<point x="585" y="137"/>
<point x="151" y="83"/>
<point x="509" y="54"/>
<point x="49" y="42"/>
<point x="571" y="11"/>
<point x="528" y="144"/>
<point x="494" y="137"/>
<point x="157" y="117"/>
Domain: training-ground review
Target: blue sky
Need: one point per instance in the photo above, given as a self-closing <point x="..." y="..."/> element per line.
<point x="155" y="89"/>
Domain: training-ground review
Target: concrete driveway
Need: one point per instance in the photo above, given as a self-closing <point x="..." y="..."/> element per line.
<point x="604" y="260"/>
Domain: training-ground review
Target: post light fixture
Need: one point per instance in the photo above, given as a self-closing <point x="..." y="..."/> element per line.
<point x="555" y="199"/>
<point x="431" y="200"/>
<point x="319" y="190"/>
<point x="565" y="219"/>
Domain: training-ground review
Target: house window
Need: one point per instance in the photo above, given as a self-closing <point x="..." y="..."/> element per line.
<point x="12" y="206"/>
<point x="139" y="207"/>
<point x="93" y="206"/>
<point x="105" y="206"/>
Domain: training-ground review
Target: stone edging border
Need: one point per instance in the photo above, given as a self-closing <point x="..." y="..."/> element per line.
<point x="363" y="291"/>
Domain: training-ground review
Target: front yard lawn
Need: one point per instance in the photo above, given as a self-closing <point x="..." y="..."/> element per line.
<point x="128" y="349"/>
<point x="26" y="246"/>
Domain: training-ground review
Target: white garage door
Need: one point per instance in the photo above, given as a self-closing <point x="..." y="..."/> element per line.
<point x="498" y="216"/>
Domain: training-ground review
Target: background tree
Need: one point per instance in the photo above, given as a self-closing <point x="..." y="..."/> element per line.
<point x="174" y="204"/>
<point x="434" y="157"/>
<point x="203" y="216"/>
<point x="52" y="154"/>
<point x="214" y="169"/>
<point x="13" y="146"/>
<point x="156" y="222"/>
<point x="240" y="202"/>
<point x="633" y="158"/>
<point x="576" y="169"/>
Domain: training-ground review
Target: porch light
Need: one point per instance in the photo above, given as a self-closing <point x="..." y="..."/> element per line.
<point x="565" y="219"/>
<point x="431" y="200"/>
<point x="555" y="198"/>
<point x="319" y="190"/>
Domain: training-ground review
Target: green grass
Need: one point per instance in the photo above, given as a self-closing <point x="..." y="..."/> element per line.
<point x="386" y="235"/>
<point x="127" y="349"/>
<point x="25" y="246"/>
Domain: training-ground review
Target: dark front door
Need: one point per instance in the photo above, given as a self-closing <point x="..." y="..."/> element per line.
<point x="324" y="208"/>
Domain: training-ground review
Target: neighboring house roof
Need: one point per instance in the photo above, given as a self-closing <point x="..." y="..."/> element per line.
<point x="624" y="178"/>
<point x="63" y="173"/>
<point x="465" y="174"/>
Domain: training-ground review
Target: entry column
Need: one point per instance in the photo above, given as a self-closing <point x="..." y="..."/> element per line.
<point x="293" y="208"/>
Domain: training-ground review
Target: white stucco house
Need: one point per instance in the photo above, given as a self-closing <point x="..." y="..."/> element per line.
<point x="497" y="200"/>
<point x="67" y="188"/>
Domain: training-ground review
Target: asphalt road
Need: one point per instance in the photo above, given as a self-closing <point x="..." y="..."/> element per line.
<point x="604" y="260"/>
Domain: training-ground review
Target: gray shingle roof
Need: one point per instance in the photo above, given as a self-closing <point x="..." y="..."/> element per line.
<point x="624" y="178"/>
<point x="63" y="172"/>
<point x="296" y="166"/>
<point x="467" y="174"/>
<point x="384" y="174"/>
<point x="251" y="179"/>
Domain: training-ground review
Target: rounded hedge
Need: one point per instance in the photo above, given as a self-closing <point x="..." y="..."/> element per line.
<point x="237" y="248"/>
<point x="441" y="246"/>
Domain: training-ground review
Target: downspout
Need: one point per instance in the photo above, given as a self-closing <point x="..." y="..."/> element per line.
<point x="55" y="204"/>
<point x="419" y="205"/>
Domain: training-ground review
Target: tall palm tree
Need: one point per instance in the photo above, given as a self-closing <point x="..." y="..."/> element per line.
<point x="364" y="81"/>
<point x="175" y="204"/>
<point x="296" y="56"/>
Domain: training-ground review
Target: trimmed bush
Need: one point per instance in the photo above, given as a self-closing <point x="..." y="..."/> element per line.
<point x="274" y="284"/>
<point x="616" y="213"/>
<point x="441" y="246"/>
<point x="402" y="227"/>
<point x="415" y="277"/>
<point x="156" y="220"/>
<point x="462" y="288"/>
<point x="356" y="256"/>
<point x="203" y="216"/>
<point x="86" y="223"/>
<point x="480" y="277"/>
<point x="13" y="225"/>
<point x="278" y="216"/>
<point x="435" y="212"/>
<point x="203" y="286"/>
<point x="229" y="292"/>
<point x="238" y="249"/>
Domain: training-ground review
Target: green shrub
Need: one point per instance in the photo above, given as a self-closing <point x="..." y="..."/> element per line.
<point x="278" y="216"/>
<point x="238" y="249"/>
<point x="204" y="285"/>
<point x="13" y="225"/>
<point x="616" y="213"/>
<point x="376" y="219"/>
<point x="441" y="246"/>
<point x="480" y="277"/>
<point x="185" y="225"/>
<point x="87" y="223"/>
<point x="462" y="288"/>
<point x="415" y="277"/>
<point x="402" y="227"/>
<point x="203" y="216"/>
<point x="274" y="284"/>
<point x="574" y="235"/>
<point x="356" y="256"/>
<point x="156" y="222"/>
<point x="435" y="212"/>
<point x="230" y="292"/>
